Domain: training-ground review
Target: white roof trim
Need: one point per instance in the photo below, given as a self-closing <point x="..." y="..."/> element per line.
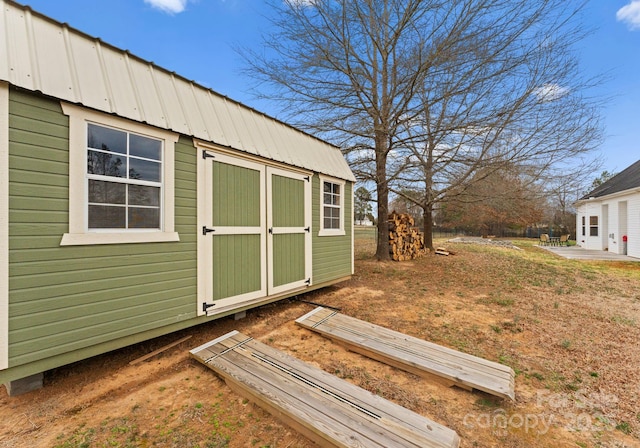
<point x="608" y="197"/>
<point x="40" y="54"/>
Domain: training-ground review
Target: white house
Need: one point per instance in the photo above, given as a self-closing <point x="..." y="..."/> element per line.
<point x="608" y="217"/>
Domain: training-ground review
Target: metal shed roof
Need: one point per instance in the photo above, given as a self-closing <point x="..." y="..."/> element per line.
<point x="37" y="53"/>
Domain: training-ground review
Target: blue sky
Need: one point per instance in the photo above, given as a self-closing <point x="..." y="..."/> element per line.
<point x="195" y="38"/>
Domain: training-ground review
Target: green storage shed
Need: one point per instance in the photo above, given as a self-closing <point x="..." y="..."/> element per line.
<point x="134" y="202"/>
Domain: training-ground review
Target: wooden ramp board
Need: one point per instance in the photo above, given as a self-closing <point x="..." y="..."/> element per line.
<point x="321" y="406"/>
<point x="412" y="354"/>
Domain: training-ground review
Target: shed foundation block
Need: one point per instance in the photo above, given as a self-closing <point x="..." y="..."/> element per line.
<point x="24" y="385"/>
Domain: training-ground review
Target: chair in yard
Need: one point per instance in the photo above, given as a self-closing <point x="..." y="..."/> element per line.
<point x="564" y="240"/>
<point x="544" y="239"/>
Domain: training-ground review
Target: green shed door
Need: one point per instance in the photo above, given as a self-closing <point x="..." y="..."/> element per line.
<point x="289" y="230"/>
<point x="232" y="267"/>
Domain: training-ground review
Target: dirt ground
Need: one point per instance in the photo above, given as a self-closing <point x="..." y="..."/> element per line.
<point x="570" y="330"/>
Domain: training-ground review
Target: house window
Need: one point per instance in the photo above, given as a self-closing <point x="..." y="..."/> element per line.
<point x="593" y="226"/>
<point x="584" y="220"/>
<point x="121" y="180"/>
<point x="331" y="207"/>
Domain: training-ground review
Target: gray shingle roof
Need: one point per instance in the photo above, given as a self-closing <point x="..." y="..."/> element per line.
<point x="627" y="179"/>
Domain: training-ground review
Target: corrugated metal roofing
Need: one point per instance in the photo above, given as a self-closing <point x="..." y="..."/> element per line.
<point x="40" y="54"/>
<point x="627" y="179"/>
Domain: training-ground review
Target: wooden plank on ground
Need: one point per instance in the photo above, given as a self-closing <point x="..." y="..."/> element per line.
<point x="158" y="351"/>
<point x="412" y="354"/>
<point x="321" y="406"/>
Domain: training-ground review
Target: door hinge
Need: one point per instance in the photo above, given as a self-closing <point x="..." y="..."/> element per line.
<point x="271" y="230"/>
<point x="308" y="281"/>
<point x="207" y="155"/>
<point x="206" y="230"/>
<point x="307" y="229"/>
<point x="307" y="178"/>
<point x="206" y="306"/>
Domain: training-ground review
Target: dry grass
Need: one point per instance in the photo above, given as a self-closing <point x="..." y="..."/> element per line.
<point x="570" y="329"/>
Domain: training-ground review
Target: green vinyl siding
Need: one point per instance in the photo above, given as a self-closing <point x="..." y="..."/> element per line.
<point x="288" y="202"/>
<point x="236" y="196"/>
<point x="236" y="265"/>
<point x="288" y="258"/>
<point x="64" y="299"/>
<point x="331" y="254"/>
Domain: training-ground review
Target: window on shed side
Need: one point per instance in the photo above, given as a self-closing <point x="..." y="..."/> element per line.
<point x="121" y="180"/>
<point x="593" y="226"/>
<point x="331" y="207"/>
<point x="124" y="173"/>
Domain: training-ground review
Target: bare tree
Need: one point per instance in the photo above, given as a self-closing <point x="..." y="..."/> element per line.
<point x="427" y="90"/>
<point x="511" y="98"/>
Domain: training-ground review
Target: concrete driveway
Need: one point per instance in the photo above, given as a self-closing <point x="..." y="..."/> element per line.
<point x="578" y="253"/>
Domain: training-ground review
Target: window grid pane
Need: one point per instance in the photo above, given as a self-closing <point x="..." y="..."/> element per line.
<point x="106" y="164"/>
<point x="106" y="139"/>
<point x="144" y="147"/>
<point x="101" y="192"/>
<point x="144" y="218"/>
<point x="106" y="217"/>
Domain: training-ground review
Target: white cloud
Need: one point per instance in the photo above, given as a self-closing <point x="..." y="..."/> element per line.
<point x="630" y="14"/>
<point x="168" y="6"/>
<point x="550" y="92"/>
<point x="301" y="3"/>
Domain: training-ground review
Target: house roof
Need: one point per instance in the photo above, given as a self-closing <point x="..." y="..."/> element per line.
<point x="627" y="179"/>
<point x="40" y="54"/>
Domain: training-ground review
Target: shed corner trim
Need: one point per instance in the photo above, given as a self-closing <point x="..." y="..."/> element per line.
<point x="4" y="225"/>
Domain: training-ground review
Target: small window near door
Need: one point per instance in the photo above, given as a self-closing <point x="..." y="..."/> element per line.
<point x="584" y="225"/>
<point x="593" y="226"/>
<point x="331" y="207"/>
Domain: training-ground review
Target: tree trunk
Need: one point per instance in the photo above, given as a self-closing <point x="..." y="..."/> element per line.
<point x="382" y="189"/>
<point x="427" y="210"/>
<point x="427" y="215"/>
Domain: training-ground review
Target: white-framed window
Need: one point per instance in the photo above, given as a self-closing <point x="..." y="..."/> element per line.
<point x="593" y="226"/>
<point x="332" y="197"/>
<point x="124" y="175"/>
<point x="121" y="180"/>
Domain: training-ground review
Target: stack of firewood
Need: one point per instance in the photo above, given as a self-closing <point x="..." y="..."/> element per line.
<point x="405" y="241"/>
